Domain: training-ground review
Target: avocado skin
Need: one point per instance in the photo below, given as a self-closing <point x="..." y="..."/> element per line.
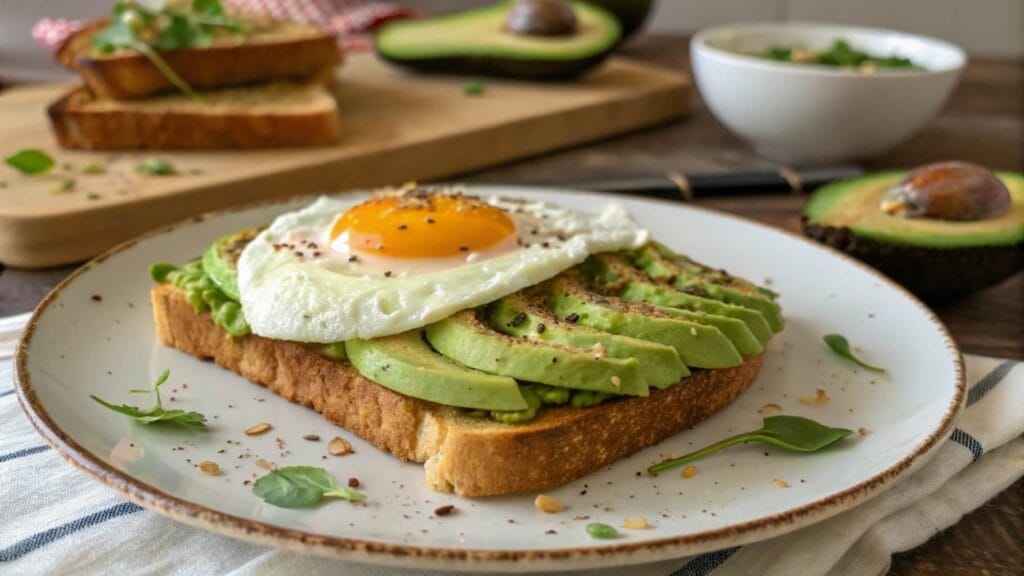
<point x="540" y="70"/>
<point x="933" y="274"/>
<point x="631" y="13"/>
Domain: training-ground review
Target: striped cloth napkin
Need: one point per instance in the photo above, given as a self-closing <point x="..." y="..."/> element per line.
<point x="54" y="520"/>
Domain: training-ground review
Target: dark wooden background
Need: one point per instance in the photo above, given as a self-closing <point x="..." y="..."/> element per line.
<point x="983" y="123"/>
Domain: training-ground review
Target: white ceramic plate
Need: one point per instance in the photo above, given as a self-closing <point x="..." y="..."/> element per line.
<point x="78" y="344"/>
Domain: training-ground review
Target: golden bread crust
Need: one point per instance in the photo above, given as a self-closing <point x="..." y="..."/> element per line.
<point x="469" y="456"/>
<point x="132" y="75"/>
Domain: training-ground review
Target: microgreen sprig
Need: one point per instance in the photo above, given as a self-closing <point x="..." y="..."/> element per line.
<point x="157" y="414"/>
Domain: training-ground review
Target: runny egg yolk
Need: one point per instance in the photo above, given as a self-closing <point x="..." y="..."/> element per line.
<point x="423" y="226"/>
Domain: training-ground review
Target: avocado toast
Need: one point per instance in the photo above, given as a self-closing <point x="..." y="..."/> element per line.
<point x="523" y="392"/>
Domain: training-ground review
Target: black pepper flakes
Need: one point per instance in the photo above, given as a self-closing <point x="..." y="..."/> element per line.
<point x="517" y="320"/>
<point x="445" y="510"/>
<point x="353" y="482"/>
<point x="403" y="227"/>
<point x="97" y="298"/>
<point x="353" y="258"/>
<point x="387" y="273"/>
<point x="463" y="248"/>
<point x="541" y="328"/>
<point x="572" y="318"/>
<point x="430" y="220"/>
<point x="311" y="437"/>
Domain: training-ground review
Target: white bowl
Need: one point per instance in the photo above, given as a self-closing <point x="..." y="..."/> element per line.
<point x="808" y="114"/>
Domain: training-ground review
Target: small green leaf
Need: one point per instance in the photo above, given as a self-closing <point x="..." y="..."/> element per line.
<point x="841" y="347"/>
<point x="300" y="487"/>
<point x="792" y="433"/>
<point x="155" y="167"/>
<point x="65" y="185"/>
<point x="157" y="414"/>
<point x="30" y="161"/>
<point x="474" y="88"/>
<point x="94" y="167"/>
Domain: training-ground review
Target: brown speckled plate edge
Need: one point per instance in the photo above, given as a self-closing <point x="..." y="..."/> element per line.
<point x="484" y="560"/>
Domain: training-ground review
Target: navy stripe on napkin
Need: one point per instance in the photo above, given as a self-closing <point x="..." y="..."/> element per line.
<point x="6" y="392"/>
<point x="705" y="563"/>
<point x="25" y="452"/>
<point x="967" y="441"/>
<point x="40" y="539"/>
<point x="989" y="381"/>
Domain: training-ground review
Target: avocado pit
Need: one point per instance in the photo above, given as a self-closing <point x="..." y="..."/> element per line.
<point x="957" y="191"/>
<point x="542" y="18"/>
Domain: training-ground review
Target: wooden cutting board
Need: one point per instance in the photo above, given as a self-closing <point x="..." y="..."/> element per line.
<point x="397" y="127"/>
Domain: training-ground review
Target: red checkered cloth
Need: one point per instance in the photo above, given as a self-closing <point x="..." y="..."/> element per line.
<point x="353" y="21"/>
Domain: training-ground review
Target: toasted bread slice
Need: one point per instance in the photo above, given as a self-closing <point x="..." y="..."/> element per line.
<point x="265" y="116"/>
<point x="291" y="52"/>
<point x="470" y="456"/>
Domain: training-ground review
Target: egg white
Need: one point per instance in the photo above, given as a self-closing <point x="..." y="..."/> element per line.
<point x="330" y="299"/>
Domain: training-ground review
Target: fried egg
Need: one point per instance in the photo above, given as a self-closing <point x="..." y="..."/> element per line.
<point x="341" y="269"/>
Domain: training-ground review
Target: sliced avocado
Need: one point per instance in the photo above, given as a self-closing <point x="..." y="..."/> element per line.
<point x="220" y="260"/>
<point x="466" y="339"/>
<point x="735" y="330"/>
<point x="406" y="364"/>
<point x="690" y="277"/>
<point x="613" y="274"/>
<point x="698" y="345"/>
<point x="516" y="316"/>
<point x="477" y="42"/>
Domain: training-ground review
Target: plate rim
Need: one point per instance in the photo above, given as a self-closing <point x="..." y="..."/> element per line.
<point x="265" y="533"/>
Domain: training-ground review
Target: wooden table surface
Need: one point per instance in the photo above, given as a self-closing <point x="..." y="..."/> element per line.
<point x="983" y="122"/>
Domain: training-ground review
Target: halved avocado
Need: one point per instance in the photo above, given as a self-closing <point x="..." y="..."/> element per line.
<point x="477" y="42"/>
<point x="936" y="259"/>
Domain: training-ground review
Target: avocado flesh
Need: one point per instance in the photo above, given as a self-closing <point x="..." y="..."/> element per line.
<point x="660" y="365"/>
<point x="406" y="364"/>
<point x="854" y="204"/>
<point x="698" y="345"/>
<point x="221" y="258"/>
<point x="475" y="42"/>
<point x="692" y="278"/>
<point x="616" y="276"/>
<point x="467" y="340"/>
<point x="936" y="260"/>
